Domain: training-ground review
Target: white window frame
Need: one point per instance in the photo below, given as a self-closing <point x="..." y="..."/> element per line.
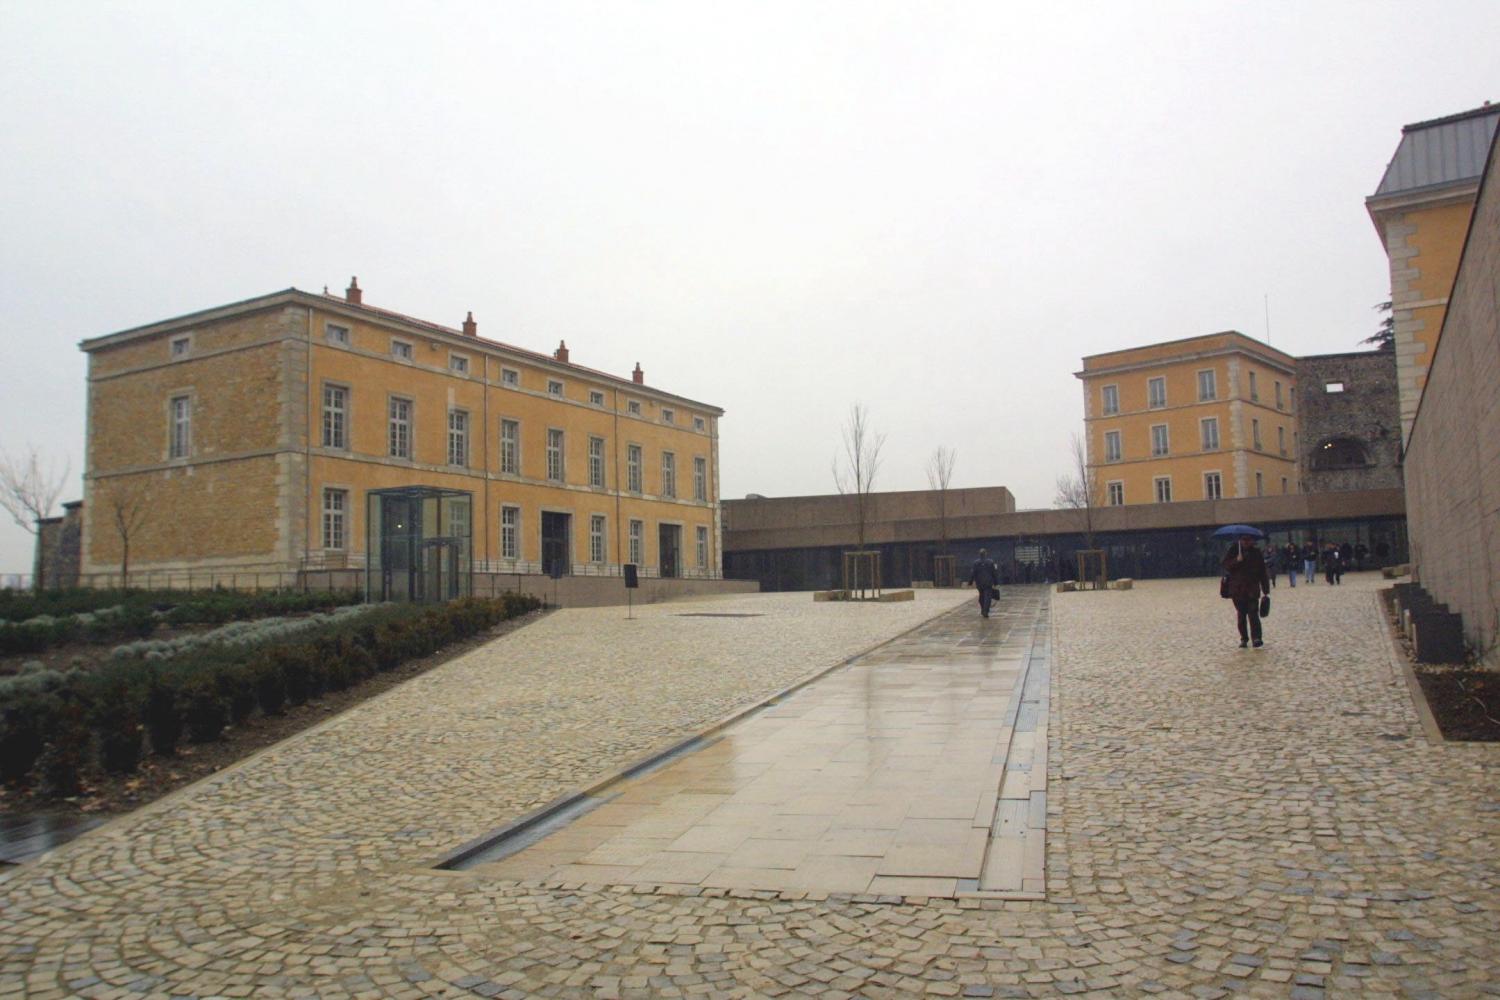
<point x="510" y="377"/>
<point x="336" y="417"/>
<point x="596" y="398"/>
<point x="1114" y="493"/>
<point x="635" y="468"/>
<point x="1114" y="447"/>
<point x="1278" y="394"/>
<point x="700" y="535"/>
<point x="596" y="461"/>
<point x="700" y="478"/>
<point x="1255" y="433"/>
<point x="185" y="341"/>
<point x="458" y="363"/>
<point x="557" y="470"/>
<point x="399" y="427"/>
<point x="337" y="333"/>
<point x="633" y="407"/>
<point x="699" y="424"/>
<point x="1153" y="401"/>
<point x="669" y="474"/>
<point x="555" y="387"/>
<point x="1281" y="440"/>
<point x="1162" y="448"/>
<point x="335" y="519"/>
<point x="1211" y="385"/>
<point x="1109" y="399"/>
<point x="510" y="533"/>
<point x="510" y="447"/>
<point x="180" y="426"/>
<point x="458" y="437"/>
<point x="598" y="528"/>
<point x="1204" y="426"/>
<point x="403" y="350"/>
<point x="1254" y="392"/>
<point x="1213" y="485"/>
<point x="1162" y="485"/>
<point x="668" y="416"/>
<point x="636" y="547"/>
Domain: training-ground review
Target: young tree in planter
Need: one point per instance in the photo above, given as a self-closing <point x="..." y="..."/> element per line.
<point x="1078" y="488"/>
<point x="939" y="475"/>
<point x="855" y="468"/>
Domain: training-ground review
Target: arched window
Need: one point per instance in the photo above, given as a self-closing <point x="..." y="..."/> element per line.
<point x="1340" y="453"/>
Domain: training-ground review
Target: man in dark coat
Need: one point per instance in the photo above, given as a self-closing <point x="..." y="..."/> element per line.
<point x="1246" y="569"/>
<point x="986" y="577"/>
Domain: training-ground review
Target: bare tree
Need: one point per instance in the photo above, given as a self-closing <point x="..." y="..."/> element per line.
<point x="29" y="488"/>
<point x="129" y="507"/>
<point x="1079" y="488"/>
<point x="855" y="468"/>
<point x="939" y="475"/>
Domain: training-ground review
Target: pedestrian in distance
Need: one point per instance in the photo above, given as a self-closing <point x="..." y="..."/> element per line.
<point x="1309" y="560"/>
<point x="986" y="578"/>
<point x="1330" y="564"/>
<point x="1273" y="563"/>
<point x="1246" y="580"/>
<point x="1293" y="562"/>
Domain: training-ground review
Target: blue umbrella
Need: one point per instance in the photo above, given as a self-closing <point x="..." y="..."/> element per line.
<point x="1239" y="531"/>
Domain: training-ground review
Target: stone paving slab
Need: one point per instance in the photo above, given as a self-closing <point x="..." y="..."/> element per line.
<point x="1221" y="823"/>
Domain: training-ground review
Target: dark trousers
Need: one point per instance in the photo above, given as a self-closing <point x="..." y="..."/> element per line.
<point x="985" y="597"/>
<point x="1247" y="609"/>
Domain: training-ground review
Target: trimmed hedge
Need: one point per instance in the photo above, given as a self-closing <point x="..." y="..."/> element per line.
<point x="56" y="726"/>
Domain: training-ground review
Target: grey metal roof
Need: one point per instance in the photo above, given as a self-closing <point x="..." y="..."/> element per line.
<point x="1443" y="151"/>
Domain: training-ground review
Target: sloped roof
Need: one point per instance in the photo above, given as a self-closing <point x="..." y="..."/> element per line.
<point x="1440" y="152"/>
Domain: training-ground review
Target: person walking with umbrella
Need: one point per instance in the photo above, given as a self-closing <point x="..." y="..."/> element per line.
<point x="1246" y="580"/>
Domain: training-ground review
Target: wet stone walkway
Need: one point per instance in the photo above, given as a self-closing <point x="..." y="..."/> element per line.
<point x="885" y="776"/>
<point x="1219" y="823"/>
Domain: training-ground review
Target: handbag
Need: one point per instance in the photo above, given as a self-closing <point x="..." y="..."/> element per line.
<point x="1224" y="586"/>
<point x="994" y="593"/>
<point x="1265" y="605"/>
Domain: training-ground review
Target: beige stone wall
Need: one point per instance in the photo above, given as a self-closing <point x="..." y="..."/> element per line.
<point x="1453" y="459"/>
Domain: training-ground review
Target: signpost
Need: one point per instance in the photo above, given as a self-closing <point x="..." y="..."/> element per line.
<point x="632" y="581"/>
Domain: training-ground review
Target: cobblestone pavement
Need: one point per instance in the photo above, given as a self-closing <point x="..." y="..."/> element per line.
<point x="1220" y="821"/>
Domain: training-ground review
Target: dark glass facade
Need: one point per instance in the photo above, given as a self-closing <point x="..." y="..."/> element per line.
<point x="1141" y="555"/>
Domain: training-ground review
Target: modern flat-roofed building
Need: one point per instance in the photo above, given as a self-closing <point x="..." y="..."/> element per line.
<point x="299" y="431"/>
<point x="1204" y="418"/>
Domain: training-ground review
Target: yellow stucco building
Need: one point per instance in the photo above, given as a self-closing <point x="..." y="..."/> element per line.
<point x="1421" y="211"/>
<point x="1203" y="418"/>
<point x="300" y="431"/>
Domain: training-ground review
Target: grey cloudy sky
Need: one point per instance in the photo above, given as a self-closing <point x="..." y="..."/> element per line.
<point x="777" y="208"/>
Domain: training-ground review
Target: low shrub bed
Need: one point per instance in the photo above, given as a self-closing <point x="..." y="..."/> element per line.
<point x="34" y="623"/>
<point x="56" y="726"/>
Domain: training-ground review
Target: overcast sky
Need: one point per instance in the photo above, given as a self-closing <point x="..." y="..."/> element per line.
<point x="780" y="209"/>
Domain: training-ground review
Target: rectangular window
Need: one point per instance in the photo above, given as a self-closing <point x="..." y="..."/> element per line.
<point x="633" y="468"/>
<point x="1111" y="395"/>
<point x="458" y="437"/>
<point x="668" y="417"/>
<point x="1159" y="444"/>
<point x="510" y="447"/>
<point x="699" y="424"/>
<point x="1112" y="452"/>
<point x="1213" y="486"/>
<point x="702" y="548"/>
<point x="633" y="407"/>
<point x="596" y="398"/>
<point x="1283" y="484"/>
<point x="400" y="350"/>
<point x="336" y="334"/>
<point x="510" y="377"/>
<point x="1163" y="486"/>
<point x="596" y="462"/>
<point x="1277" y="383"/>
<point x="596" y="538"/>
<point x="335" y="504"/>
<point x="668" y="474"/>
<point x="181" y="437"/>
<point x="1156" y="392"/>
<point x="1255" y="433"/>
<point x="637" y="533"/>
<point x="181" y="346"/>
<point x="1254" y="392"/>
<point x="1208" y="386"/>
<point x="700" y="478"/>
<point x="1333" y="387"/>
<point x="510" y="532"/>
<point x="554" y="454"/>
<point x="1281" y="440"/>
<point x="400" y="427"/>
<point x="554" y="387"/>
<point x="1210" y="429"/>
<point x="335" y="416"/>
<point x="1116" y="492"/>
<point x="1260" y="487"/>
<point x="458" y="363"/>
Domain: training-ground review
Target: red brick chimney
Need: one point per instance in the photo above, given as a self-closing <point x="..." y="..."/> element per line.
<point x="471" y="328"/>
<point x="638" y="375"/>
<point x="561" y="354"/>
<point x="352" y="294"/>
